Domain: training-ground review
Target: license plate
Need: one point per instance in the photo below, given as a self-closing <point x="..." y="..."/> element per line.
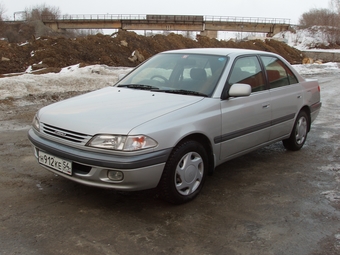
<point x="55" y="163"/>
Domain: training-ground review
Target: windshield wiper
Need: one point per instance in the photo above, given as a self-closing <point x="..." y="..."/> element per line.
<point x="153" y="88"/>
<point x="183" y="92"/>
<point x="137" y="86"/>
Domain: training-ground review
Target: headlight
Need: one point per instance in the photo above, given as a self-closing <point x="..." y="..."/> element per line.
<point x="36" y="123"/>
<point x="121" y="142"/>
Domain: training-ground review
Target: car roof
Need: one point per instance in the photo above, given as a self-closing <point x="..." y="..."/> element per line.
<point x="218" y="51"/>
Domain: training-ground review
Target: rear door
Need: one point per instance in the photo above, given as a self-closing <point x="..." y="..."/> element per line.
<point x="245" y="120"/>
<point x="285" y="94"/>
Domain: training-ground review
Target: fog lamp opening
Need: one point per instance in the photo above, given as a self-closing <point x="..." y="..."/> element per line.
<point x="115" y="175"/>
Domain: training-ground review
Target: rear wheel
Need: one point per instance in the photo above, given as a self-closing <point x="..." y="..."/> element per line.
<point x="184" y="173"/>
<point x="299" y="133"/>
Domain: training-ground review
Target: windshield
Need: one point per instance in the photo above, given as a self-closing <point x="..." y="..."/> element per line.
<point x="194" y="74"/>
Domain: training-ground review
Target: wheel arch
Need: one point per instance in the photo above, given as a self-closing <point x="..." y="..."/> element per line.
<point x="306" y="109"/>
<point x="204" y="140"/>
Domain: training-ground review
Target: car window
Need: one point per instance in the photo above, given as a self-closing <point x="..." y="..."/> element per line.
<point x="278" y="74"/>
<point x="247" y="70"/>
<point x="192" y="72"/>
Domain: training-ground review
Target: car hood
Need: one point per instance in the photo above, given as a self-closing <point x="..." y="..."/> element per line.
<point x="112" y="110"/>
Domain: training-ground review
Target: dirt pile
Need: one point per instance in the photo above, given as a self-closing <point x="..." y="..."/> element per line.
<point x="53" y="53"/>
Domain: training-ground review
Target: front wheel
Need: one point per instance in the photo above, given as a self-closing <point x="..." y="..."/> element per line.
<point x="184" y="173"/>
<point x="299" y="133"/>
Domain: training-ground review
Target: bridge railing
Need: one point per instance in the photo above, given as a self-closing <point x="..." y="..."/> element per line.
<point x="94" y="17"/>
<point x="145" y="17"/>
<point x="247" y="19"/>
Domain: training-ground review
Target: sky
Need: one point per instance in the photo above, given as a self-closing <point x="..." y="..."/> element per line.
<point x="283" y="9"/>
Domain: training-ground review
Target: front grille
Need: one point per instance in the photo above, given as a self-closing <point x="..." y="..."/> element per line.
<point x="64" y="134"/>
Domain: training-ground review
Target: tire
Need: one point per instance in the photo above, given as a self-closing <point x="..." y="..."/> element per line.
<point x="184" y="173"/>
<point x="299" y="133"/>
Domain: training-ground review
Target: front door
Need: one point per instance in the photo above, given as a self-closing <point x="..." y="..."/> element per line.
<point x="245" y="120"/>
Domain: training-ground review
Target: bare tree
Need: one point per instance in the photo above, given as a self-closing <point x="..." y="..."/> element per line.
<point x="318" y="17"/>
<point x="335" y="6"/>
<point x="329" y="19"/>
<point x="41" y="12"/>
<point x="2" y="11"/>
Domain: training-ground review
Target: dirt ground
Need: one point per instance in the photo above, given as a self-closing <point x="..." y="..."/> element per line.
<point x="269" y="202"/>
<point x="54" y="52"/>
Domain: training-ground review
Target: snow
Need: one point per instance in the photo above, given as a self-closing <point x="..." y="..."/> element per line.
<point x="68" y="79"/>
<point x="306" y="39"/>
<point x="318" y="69"/>
<point x="74" y="78"/>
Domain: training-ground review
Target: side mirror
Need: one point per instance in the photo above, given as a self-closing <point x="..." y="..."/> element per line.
<point x="239" y="90"/>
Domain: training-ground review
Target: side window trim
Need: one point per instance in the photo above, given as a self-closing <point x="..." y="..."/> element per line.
<point x="274" y="77"/>
<point x="256" y="79"/>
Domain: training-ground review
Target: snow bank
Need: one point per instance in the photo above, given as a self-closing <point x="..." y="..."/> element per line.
<point x="305" y="39"/>
<point x="95" y="77"/>
<point x="70" y="78"/>
<point x="316" y="69"/>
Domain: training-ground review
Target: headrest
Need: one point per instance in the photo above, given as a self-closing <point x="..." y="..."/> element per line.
<point x="198" y="74"/>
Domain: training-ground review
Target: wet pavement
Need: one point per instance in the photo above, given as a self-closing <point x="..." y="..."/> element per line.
<point x="270" y="201"/>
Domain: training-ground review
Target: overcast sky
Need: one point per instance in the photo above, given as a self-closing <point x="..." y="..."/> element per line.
<point x="287" y="9"/>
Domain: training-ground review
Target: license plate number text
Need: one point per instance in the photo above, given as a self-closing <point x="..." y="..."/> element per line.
<point x="56" y="163"/>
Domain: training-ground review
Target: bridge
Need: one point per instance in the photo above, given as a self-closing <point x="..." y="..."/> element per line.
<point x="206" y="25"/>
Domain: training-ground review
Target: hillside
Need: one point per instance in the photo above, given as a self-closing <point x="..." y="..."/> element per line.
<point x="52" y="53"/>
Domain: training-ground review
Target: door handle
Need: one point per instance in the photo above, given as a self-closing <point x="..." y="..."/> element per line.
<point x="265" y="106"/>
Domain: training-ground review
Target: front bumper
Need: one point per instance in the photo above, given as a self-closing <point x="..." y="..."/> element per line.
<point x="91" y="168"/>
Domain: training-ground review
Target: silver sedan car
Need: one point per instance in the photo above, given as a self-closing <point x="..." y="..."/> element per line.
<point x="169" y="122"/>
